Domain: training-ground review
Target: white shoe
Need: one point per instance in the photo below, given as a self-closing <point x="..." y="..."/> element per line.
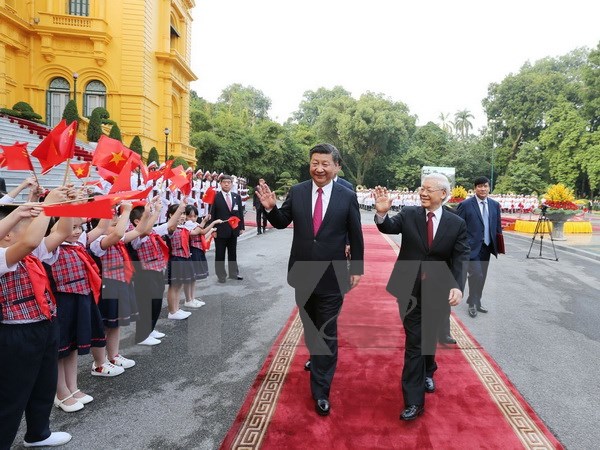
<point x="149" y="341"/>
<point x="157" y="334"/>
<point x="194" y="303"/>
<point x="106" y="370"/>
<point x="60" y="404"/>
<point x="55" y="439"/>
<point x="201" y="302"/>
<point x="123" y="362"/>
<point x="179" y="315"/>
<point x="85" y="399"/>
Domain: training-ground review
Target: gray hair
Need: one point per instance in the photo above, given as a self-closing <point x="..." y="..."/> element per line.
<point x="441" y="181"/>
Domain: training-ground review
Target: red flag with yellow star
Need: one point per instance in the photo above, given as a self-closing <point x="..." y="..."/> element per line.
<point x="17" y="157"/>
<point x="123" y="180"/>
<point x="110" y="155"/>
<point x="179" y="179"/>
<point x="81" y="170"/>
<point x="57" y="147"/>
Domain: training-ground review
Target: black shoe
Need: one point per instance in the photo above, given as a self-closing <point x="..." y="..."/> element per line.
<point x="411" y="412"/>
<point x="259" y="232"/>
<point x="429" y="385"/>
<point x="236" y="278"/>
<point x="307" y="365"/>
<point x="482" y="309"/>
<point x="222" y="280"/>
<point x="472" y="311"/>
<point x="322" y="407"/>
<point x="447" y="340"/>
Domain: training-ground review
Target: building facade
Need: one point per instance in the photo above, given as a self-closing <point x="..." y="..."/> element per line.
<point x="131" y="57"/>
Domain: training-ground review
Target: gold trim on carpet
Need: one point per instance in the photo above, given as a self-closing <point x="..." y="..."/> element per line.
<point x="252" y="432"/>
<point x="521" y="423"/>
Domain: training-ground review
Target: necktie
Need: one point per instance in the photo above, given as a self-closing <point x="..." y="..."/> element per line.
<point x="160" y="245"/>
<point x="39" y="283"/>
<point x="430" y="228"/>
<point x="228" y="200"/>
<point x="318" y="213"/>
<point x="185" y="241"/>
<point x="486" y="224"/>
<point x="127" y="264"/>
<point x="91" y="269"/>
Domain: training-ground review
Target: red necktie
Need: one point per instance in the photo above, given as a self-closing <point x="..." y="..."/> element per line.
<point x="429" y="228"/>
<point x="160" y="245"/>
<point x="39" y="283"/>
<point x="318" y="213"/>
<point x="91" y="269"/>
<point x="185" y="241"/>
<point x="228" y="200"/>
<point x="127" y="265"/>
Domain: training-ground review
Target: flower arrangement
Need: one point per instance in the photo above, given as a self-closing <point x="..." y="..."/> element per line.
<point x="559" y="199"/>
<point x="457" y="195"/>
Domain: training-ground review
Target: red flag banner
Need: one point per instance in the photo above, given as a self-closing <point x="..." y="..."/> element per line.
<point x="97" y="209"/>
<point x="81" y="170"/>
<point x="179" y="179"/>
<point x="123" y="181"/>
<point x="129" y="195"/>
<point x="57" y="147"/>
<point x="209" y="196"/>
<point x="17" y="157"/>
<point x="2" y="160"/>
<point x="234" y="222"/>
<point x="110" y="155"/>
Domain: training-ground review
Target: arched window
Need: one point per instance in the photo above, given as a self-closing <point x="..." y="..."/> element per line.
<point x="94" y="96"/>
<point x="57" y="98"/>
<point x="79" y="7"/>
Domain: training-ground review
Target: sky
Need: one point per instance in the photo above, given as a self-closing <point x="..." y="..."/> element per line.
<point x="435" y="56"/>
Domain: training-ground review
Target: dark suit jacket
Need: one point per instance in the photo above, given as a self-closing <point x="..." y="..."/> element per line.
<point x="345" y="183"/>
<point x="441" y="267"/>
<point x="341" y="218"/>
<point x="220" y="210"/>
<point x="470" y="212"/>
<point x="2" y="187"/>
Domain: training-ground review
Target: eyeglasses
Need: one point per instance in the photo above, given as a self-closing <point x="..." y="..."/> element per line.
<point x="423" y="189"/>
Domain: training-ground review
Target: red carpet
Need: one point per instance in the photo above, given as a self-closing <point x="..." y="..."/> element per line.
<point x="474" y="406"/>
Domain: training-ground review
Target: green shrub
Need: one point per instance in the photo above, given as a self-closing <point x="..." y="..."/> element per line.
<point x="70" y="114"/>
<point x="25" y="111"/>
<point x="136" y="145"/>
<point x="115" y="133"/>
<point x="95" y="127"/>
<point x="153" y="156"/>
<point x="179" y="161"/>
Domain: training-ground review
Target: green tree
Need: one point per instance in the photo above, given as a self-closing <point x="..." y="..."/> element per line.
<point x="94" y="130"/>
<point x="314" y="102"/>
<point x="527" y="173"/>
<point x="462" y="124"/>
<point x="153" y="156"/>
<point x="179" y="161"/>
<point x="446" y="124"/>
<point x="136" y="145"/>
<point x="26" y="111"/>
<point x="591" y="88"/>
<point x="245" y="102"/>
<point x="70" y="113"/>
<point x="115" y="133"/>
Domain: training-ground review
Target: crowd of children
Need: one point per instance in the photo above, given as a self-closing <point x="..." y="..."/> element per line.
<point x="66" y="289"/>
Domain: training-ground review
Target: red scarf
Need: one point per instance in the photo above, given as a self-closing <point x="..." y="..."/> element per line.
<point x="40" y="284"/>
<point x="127" y="265"/>
<point x="185" y="241"/>
<point x="91" y="269"/>
<point x="160" y="245"/>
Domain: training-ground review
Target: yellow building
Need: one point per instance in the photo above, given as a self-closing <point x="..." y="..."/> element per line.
<point x="130" y="56"/>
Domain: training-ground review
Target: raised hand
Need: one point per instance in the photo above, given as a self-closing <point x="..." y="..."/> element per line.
<point x="57" y="195"/>
<point x="383" y="201"/>
<point x="266" y="197"/>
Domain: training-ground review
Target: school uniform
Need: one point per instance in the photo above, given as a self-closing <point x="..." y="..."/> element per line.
<point x="152" y="256"/>
<point x="200" y="263"/>
<point x="180" y="269"/>
<point x="75" y="280"/>
<point x="29" y="337"/>
<point x="117" y="301"/>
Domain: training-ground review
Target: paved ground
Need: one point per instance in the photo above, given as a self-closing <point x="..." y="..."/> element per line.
<point x="542" y="329"/>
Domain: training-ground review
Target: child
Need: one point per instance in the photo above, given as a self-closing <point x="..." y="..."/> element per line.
<point x="117" y="303"/>
<point x="76" y="287"/>
<point x="198" y="258"/>
<point x="149" y="280"/>
<point x="180" y="268"/>
<point x="28" y="325"/>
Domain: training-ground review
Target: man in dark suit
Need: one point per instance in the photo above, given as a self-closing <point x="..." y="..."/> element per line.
<point x="427" y="279"/>
<point x="227" y="204"/>
<point x="261" y="214"/>
<point x="482" y="215"/>
<point x="323" y="213"/>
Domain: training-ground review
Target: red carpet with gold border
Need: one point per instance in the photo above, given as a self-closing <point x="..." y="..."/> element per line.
<point x="474" y="406"/>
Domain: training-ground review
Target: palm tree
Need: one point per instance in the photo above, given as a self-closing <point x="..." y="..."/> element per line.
<point x="462" y="123"/>
<point x="446" y="124"/>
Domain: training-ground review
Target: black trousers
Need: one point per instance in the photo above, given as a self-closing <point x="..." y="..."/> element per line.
<point x="477" y="274"/>
<point x="319" y="313"/>
<point x="149" y="291"/>
<point x="421" y="330"/>
<point x="223" y="245"/>
<point x="261" y="216"/>
<point x="28" y="379"/>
